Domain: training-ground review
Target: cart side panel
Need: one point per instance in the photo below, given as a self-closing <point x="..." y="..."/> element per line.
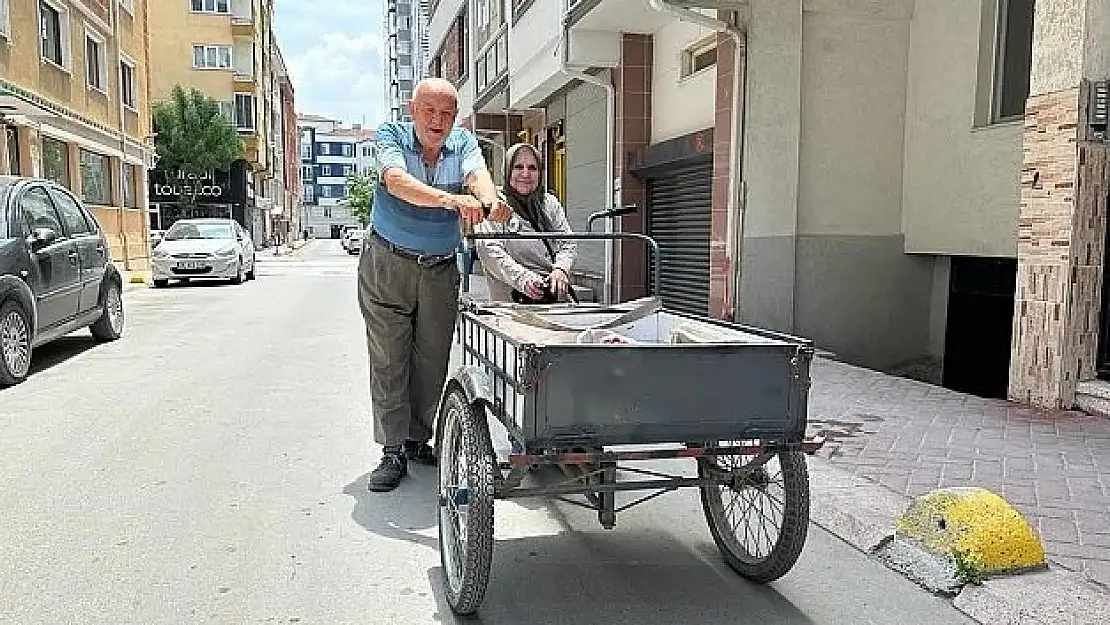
<point x="606" y="395"/>
<point x="497" y="356"/>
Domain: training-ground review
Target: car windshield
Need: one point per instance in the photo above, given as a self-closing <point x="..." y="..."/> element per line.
<point x="192" y="230"/>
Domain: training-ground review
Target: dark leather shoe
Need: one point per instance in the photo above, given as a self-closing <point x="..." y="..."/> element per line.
<point x="388" y="475"/>
<point x="422" y="453"/>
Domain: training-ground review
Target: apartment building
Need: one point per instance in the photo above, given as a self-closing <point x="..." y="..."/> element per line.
<point x="288" y="222"/>
<point x="329" y="153"/>
<point x="406" y="29"/>
<point x="225" y="49"/>
<point x="285" y="217"/>
<point x="74" y="108"/>
<point x="917" y="186"/>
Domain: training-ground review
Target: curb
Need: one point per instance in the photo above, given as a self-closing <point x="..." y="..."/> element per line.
<point x="864" y="514"/>
<point x="133" y="280"/>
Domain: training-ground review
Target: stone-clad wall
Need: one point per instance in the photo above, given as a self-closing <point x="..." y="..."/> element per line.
<point x="1061" y="230"/>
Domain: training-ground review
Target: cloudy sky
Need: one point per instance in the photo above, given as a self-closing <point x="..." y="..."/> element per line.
<point x="334" y="56"/>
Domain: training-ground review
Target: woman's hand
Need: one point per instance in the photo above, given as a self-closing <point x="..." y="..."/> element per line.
<point x="533" y="286"/>
<point x="560" y="282"/>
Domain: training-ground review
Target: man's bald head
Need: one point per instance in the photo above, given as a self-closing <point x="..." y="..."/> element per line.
<point x="434" y="105"/>
<point x="435" y="87"/>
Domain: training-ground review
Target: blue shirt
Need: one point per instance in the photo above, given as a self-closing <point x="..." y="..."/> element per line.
<point x="422" y="229"/>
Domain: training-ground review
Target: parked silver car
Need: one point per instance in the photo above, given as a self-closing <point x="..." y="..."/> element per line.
<point x="204" y="249"/>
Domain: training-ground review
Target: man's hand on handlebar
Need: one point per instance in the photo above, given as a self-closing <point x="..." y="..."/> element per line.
<point x="500" y="211"/>
<point x="472" y="211"/>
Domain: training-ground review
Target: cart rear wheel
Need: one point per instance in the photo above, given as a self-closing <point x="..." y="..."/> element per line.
<point x="760" y="523"/>
<point x="466" y="494"/>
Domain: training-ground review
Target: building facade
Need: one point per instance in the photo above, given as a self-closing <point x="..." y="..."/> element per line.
<point x="289" y="221"/>
<point x="917" y="186"/>
<point x="225" y="49"/>
<point x="74" y="108"/>
<point x="406" y="29"/>
<point x="329" y="153"/>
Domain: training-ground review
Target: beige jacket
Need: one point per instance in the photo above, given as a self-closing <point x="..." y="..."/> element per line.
<point x="508" y="263"/>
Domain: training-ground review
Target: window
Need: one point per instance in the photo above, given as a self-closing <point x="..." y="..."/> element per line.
<point x="212" y="6"/>
<point x="348" y="149"/>
<point x="699" y="56"/>
<point x="324" y="151"/>
<point x="325" y="170"/>
<point x="54" y="35"/>
<point x="55" y="161"/>
<point x="75" y="220"/>
<point x="211" y="57"/>
<point x="96" y="68"/>
<point x="325" y="191"/>
<point x="129" y="199"/>
<point x="1013" y="58"/>
<point x="309" y="193"/>
<point x="348" y="170"/>
<point x="227" y="109"/>
<point x="244" y="111"/>
<point x="96" y="180"/>
<point x="39" y="211"/>
<point x="5" y="18"/>
<point x="461" y="49"/>
<point x="404" y="47"/>
<point x="405" y="72"/>
<point x="306" y="151"/>
<point x="127" y="83"/>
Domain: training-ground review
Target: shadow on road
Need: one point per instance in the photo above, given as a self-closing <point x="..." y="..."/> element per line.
<point x="615" y="578"/>
<point x="59" y="351"/>
<point x="408" y="513"/>
<point x="594" y="576"/>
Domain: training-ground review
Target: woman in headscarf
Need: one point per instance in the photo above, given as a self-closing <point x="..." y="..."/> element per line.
<point x="527" y="270"/>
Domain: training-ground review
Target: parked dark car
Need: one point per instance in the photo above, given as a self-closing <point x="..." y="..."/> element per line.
<point x="56" y="273"/>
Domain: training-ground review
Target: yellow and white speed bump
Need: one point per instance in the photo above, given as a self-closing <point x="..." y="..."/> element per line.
<point x="954" y="536"/>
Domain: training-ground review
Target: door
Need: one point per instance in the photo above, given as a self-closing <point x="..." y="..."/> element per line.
<point x="679" y="216"/>
<point x="55" y="263"/>
<point x="980" y="325"/>
<point x="92" y="255"/>
<point x="12" y="146"/>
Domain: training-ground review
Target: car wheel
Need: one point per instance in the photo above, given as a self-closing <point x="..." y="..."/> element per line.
<point x="250" y="273"/>
<point x="109" y="326"/>
<point x="15" y="344"/>
<point x="238" y="279"/>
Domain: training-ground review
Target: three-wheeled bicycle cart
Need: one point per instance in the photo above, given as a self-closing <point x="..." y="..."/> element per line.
<point x="592" y="388"/>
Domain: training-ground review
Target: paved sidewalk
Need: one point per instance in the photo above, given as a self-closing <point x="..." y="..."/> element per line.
<point x="913" y="437"/>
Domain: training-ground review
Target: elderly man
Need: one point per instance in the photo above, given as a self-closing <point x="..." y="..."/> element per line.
<point x="408" y="281"/>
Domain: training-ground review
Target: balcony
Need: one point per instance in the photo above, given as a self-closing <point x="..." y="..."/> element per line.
<point x="637" y="16"/>
<point x="538" y="30"/>
<point x="242" y="26"/>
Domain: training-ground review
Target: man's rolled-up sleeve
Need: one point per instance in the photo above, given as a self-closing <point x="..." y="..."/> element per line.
<point x="388" y="148"/>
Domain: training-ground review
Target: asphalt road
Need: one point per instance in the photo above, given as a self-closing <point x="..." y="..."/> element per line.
<point x="210" y="467"/>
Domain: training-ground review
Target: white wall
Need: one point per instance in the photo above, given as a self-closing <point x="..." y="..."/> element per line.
<point x="534" y="58"/>
<point x="961" y="183"/>
<point x="853" y="94"/>
<point x="679" y="106"/>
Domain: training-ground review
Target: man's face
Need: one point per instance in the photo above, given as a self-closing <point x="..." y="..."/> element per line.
<point x="434" y="114"/>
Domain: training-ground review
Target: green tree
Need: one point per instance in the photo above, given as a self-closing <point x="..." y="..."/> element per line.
<point x="360" y="195"/>
<point x="194" y="138"/>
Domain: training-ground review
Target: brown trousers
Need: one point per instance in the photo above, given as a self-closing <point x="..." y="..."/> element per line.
<point x="409" y="308"/>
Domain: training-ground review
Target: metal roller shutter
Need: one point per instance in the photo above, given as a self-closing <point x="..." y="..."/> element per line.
<point x="679" y="217"/>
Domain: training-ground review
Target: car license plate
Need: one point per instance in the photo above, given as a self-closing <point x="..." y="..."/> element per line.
<point x="189" y="264"/>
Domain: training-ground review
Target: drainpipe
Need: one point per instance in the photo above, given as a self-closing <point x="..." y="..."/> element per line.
<point x="735" y="221"/>
<point x="610" y="124"/>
